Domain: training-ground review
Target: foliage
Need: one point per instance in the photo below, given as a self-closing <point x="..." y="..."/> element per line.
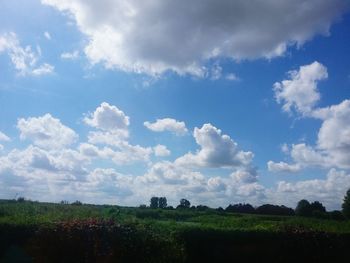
<point x="314" y="209"/>
<point x="158" y="202"/>
<point x="162" y="202"/>
<point x="154" y="202"/>
<point x="240" y="208"/>
<point x="274" y="210"/>
<point x="303" y="208"/>
<point x="184" y="203"/>
<point x="346" y="205"/>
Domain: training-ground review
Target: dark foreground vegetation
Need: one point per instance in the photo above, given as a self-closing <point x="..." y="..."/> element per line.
<point x="48" y="232"/>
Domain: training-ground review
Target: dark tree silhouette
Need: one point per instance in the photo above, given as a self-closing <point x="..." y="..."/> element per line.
<point x="220" y="209"/>
<point x="303" y="208"/>
<point x="202" y="208"/>
<point x="274" y="210"/>
<point x="162" y="202"/>
<point x="184" y="203"/>
<point x="315" y="209"/>
<point x="240" y="208"/>
<point x="346" y="205"/>
<point x="318" y="210"/>
<point x="154" y="202"/>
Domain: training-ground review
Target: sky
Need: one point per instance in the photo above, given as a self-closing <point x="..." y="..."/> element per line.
<point x="219" y="102"/>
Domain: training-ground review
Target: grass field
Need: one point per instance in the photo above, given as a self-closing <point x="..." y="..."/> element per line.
<point x="104" y="233"/>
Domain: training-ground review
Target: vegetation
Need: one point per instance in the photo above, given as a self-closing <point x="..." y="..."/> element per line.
<point x="346" y="205"/>
<point x="49" y="232"/>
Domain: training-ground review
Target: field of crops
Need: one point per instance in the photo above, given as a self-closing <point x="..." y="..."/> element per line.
<point x="47" y="232"/>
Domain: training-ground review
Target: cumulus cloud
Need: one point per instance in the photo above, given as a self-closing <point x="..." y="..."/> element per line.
<point x="46" y="131"/>
<point x="113" y="131"/>
<point x="153" y="37"/>
<point x="330" y="190"/>
<point x="245" y="176"/>
<point x="161" y="150"/>
<point x="4" y="137"/>
<point x="332" y="148"/>
<point x="114" y="138"/>
<point x="167" y="124"/>
<point x="283" y="167"/>
<point x="171" y="173"/>
<point x="300" y="92"/>
<point x="24" y="59"/>
<point x="334" y="134"/>
<point x="108" y="118"/>
<point x="217" y="150"/>
<point x="34" y="162"/>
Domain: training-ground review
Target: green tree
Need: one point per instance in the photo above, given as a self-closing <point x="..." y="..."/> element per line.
<point x="303" y="208"/>
<point x="162" y="202"/>
<point x="154" y="202"/>
<point x="184" y="203"/>
<point x="346" y="205"/>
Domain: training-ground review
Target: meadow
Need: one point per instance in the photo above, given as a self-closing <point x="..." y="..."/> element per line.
<point x="49" y="232"/>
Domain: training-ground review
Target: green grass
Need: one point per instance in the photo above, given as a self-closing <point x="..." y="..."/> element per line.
<point x="37" y="214"/>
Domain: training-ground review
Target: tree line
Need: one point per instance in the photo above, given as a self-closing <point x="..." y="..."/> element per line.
<point x="303" y="208"/>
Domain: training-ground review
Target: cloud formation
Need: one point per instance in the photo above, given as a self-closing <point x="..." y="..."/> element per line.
<point x="167" y="124"/>
<point x="153" y="37"/>
<point x="300" y="92"/>
<point x="24" y="59"/>
<point x="46" y="132"/>
<point x="332" y="148"/>
<point x="161" y="150"/>
<point x="4" y="137"/>
<point x="217" y="150"/>
<point x="108" y="118"/>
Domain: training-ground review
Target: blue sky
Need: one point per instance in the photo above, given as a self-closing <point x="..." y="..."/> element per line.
<point x="217" y="102"/>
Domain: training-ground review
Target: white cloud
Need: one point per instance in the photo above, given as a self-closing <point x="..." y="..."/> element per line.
<point x="124" y="153"/>
<point x="24" y="59"/>
<point x="216" y="72"/>
<point x="245" y="176"/>
<point x="113" y="124"/>
<point x="46" y="131"/>
<point x="232" y="77"/>
<point x="170" y="173"/>
<point x="332" y="148"/>
<point x="70" y="55"/>
<point x="283" y="167"/>
<point x="47" y="35"/>
<point x="307" y="156"/>
<point x="109" y="181"/>
<point x="43" y="69"/>
<point x="153" y="37"/>
<point x="4" y="137"/>
<point x="161" y="150"/>
<point x="300" y="91"/>
<point x="34" y="162"/>
<point x="167" y="124"/>
<point x="108" y="118"/>
<point x="114" y="138"/>
<point x="131" y="153"/>
<point x="334" y="134"/>
<point x="217" y="150"/>
<point x="330" y="191"/>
